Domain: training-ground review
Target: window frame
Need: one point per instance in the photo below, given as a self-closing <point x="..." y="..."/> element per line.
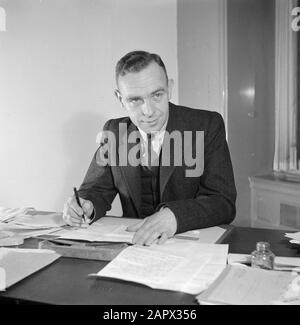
<point x="285" y="155"/>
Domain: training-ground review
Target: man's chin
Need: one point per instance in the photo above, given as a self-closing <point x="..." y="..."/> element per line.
<point x="153" y="126"/>
<point x="148" y="128"/>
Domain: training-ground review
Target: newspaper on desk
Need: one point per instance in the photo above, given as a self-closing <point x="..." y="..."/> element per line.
<point x="178" y="265"/>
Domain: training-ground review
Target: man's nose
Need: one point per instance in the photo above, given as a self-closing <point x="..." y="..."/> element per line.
<point x="147" y="108"/>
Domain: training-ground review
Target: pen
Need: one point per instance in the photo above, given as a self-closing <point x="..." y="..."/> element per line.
<point x="78" y="201"/>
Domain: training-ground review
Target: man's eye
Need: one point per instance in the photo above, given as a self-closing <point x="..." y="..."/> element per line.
<point x="135" y="101"/>
<point x="158" y="96"/>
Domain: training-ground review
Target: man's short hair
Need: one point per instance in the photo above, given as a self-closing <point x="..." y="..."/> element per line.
<point x="136" y="61"/>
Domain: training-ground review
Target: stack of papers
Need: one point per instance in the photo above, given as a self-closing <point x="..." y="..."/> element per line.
<point x="295" y="237"/>
<point x="24" y="231"/>
<point x="17" y="264"/>
<point x="38" y="221"/>
<point x="108" y="229"/>
<point x="178" y="265"/>
<point x="26" y="222"/>
<point x="113" y="229"/>
<point x="9" y="214"/>
<point x="98" y="232"/>
<point x="243" y="285"/>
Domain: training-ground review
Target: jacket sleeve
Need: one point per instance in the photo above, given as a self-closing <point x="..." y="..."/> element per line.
<point x="98" y="184"/>
<point x="214" y="202"/>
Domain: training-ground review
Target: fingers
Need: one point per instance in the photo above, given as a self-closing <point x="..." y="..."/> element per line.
<point x="87" y="207"/>
<point x="142" y="235"/>
<point x="74" y="206"/>
<point x="149" y="238"/>
<point x="72" y="212"/>
<point x="160" y="225"/>
<point x="162" y="238"/>
<point x="152" y="238"/>
<point x="71" y="217"/>
<point x="147" y="232"/>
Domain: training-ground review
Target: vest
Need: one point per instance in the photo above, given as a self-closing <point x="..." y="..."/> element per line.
<point x="150" y="190"/>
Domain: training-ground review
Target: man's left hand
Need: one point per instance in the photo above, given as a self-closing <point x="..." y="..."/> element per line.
<point x="160" y="225"/>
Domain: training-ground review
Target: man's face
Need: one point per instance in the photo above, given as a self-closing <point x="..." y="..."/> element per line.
<point x="145" y="95"/>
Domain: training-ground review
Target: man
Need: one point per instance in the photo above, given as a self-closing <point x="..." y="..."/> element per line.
<point x="154" y="179"/>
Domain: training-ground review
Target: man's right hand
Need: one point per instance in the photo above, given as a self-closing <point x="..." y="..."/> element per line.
<point x="72" y="212"/>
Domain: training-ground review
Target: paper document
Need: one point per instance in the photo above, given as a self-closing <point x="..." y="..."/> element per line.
<point x="281" y="263"/>
<point x="23" y="231"/>
<point x="17" y="264"/>
<point x="243" y="285"/>
<point x="8" y="214"/>
<point x="98" y="233"/>
<point x="206" y="235"/>
<point x="40" y="221"/>
<point x="114" y="229"/>
<point x="111" y="229"/>
<point x="178" y="265"/>
<point x="192" y="249"/>
<point x="22" y="224"/>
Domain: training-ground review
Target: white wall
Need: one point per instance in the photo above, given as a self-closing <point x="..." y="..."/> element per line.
<point x="57" y="61"/>
<point x="202" y="53"/>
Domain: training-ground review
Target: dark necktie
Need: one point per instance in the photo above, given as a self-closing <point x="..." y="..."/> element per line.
<point x="149" y="150"/>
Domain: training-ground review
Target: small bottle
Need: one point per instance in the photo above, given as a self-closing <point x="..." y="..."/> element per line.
<point x="262" y="257"/>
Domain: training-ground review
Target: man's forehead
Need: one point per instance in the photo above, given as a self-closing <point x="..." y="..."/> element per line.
<point x="148" y="80"/>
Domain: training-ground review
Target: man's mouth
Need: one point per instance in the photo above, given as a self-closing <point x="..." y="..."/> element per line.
<point x="150" y="121"/>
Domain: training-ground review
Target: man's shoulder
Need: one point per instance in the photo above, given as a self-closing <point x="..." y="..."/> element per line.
<point x="195" y="114"/>
<point x="113" y="124"/>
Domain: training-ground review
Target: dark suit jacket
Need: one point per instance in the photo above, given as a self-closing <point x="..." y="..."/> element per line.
<point x="197" y="202"/>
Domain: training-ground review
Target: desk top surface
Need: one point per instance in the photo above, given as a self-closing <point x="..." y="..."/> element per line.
<point x="66" y="281"/>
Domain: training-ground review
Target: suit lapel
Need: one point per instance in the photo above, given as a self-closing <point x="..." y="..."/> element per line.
<point x="131" y="174"/>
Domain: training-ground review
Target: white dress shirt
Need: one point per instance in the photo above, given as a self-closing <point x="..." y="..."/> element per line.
<point x="157" y="138"/>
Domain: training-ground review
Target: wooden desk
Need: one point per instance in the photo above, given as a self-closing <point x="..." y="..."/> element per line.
<point x="66" y="282"/>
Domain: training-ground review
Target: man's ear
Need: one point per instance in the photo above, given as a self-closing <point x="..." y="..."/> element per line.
<point x="118" y="96"/>
<point x="170" y="87"/>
